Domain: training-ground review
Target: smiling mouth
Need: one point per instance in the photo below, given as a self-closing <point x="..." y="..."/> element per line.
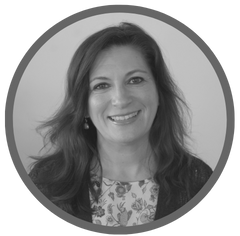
<point x="124" y="118"/>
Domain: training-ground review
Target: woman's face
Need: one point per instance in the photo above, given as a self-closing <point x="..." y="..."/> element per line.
<point x="123" y="99"/>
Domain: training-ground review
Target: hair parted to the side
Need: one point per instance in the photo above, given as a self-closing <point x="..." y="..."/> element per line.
<point x="78" y="147"/>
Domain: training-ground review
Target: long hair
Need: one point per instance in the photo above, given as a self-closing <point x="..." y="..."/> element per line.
<point x="75" y="147"/>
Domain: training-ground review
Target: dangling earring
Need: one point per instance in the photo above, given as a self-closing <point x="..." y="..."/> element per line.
<point x="86" y="126"/>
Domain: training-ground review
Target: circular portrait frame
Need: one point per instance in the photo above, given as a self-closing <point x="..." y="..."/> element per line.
<point x="191" y="33"/>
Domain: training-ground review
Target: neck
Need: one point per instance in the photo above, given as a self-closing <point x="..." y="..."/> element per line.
<point x="126" y="161"/>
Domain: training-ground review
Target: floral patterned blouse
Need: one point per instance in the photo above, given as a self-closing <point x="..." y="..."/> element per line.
<point x="124" y="203"/>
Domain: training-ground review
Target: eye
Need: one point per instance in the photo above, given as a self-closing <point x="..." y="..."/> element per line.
<point x="100" y="86"/>
<point x="136" y="80"/>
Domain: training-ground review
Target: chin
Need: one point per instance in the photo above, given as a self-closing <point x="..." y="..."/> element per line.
<point x="127" y="138"/>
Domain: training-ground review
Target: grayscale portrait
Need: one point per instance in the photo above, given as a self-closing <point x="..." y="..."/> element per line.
<point x="119" y="119"/>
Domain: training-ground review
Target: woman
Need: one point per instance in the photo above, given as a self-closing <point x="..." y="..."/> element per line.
<point x="120" y="157"/>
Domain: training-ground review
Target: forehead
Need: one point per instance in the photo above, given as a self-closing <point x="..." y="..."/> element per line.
<point x="118" y="59"/>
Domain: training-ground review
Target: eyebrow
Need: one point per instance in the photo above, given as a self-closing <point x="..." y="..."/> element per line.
<point x="128" y="74"/>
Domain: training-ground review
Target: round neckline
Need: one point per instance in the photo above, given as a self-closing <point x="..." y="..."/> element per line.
<point x="127" y="182"/>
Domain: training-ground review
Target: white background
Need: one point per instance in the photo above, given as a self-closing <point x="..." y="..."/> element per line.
<point x="42" y="84"/>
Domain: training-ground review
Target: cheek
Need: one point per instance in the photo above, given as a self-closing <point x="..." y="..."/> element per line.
<point x="96" y="105"/>
<point x="150" y="98"/>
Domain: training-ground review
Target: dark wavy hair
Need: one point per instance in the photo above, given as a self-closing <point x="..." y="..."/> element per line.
<point x="75" y="147"/>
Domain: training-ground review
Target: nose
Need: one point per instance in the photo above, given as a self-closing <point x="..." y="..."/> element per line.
<point x="121" y="97"/>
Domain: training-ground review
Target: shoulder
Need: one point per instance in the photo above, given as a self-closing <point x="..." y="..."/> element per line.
<point x="198" y="173"/>
<point x="36" y="176"/>
<point x="190" y="175"/>
<point x="43" y="170"/>
<point x="198" y="168"/>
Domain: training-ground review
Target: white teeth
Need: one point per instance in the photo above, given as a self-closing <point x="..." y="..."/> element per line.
<point x="124" y="117"/>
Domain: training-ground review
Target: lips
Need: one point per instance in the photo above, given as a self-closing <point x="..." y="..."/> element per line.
<point x="124" y="118"/>
<point x="122" y="115"/>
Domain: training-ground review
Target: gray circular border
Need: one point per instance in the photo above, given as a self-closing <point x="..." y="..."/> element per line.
<point x="119" y="9"/>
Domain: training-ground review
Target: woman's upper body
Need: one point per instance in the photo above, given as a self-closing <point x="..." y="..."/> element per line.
<point x="122" y="119"/>
<point x="196" y="171"/>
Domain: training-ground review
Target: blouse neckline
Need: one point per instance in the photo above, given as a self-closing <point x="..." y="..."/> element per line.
<point x="95" y="177"/>
<point x="130" y="182"/>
